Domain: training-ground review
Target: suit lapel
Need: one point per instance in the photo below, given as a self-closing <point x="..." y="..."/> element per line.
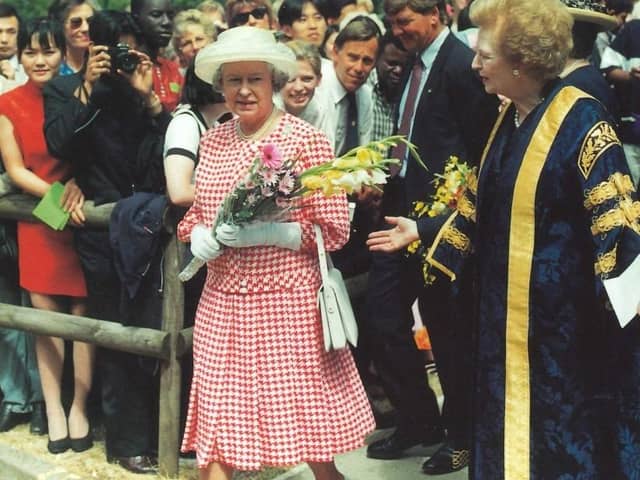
<point x="434" y="73"/>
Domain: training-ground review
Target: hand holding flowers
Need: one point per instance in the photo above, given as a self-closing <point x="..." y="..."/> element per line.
<point x="251" y="214"/>
<point x="450" y="187"/>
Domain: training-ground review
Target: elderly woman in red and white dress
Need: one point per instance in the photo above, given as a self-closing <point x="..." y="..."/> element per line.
<point x="264" y="391"/>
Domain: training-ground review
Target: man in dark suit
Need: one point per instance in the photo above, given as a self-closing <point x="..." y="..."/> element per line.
<point x="445" y="111"/>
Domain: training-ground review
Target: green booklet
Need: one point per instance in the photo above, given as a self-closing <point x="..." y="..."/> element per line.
<point x="49" y="209"/>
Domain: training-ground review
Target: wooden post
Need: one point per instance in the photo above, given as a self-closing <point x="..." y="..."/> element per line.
<point x="19" y="207"/>
<point x="170" y="374"/>
<point x="141" y="341"/>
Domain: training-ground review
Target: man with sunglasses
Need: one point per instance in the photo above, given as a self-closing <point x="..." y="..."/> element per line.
<point x="253" y="13"/>
<point x="155" y="20"/>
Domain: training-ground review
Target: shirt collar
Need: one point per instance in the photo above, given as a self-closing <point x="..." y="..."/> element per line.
<point x="429" y="54"/>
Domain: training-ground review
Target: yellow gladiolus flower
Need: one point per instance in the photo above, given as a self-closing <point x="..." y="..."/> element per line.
<point x="312" y="182"/>
<point x="346" y="163"/>
<point x="364" y="157"/>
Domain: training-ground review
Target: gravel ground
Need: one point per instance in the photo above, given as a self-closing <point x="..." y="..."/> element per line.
<point x="92" y="464"/>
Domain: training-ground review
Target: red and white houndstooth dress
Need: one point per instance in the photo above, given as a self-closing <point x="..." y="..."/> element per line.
<point x="264" y="391"/>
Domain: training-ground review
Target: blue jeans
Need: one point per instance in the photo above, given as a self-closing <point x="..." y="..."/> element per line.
<point x="19" y="378"/>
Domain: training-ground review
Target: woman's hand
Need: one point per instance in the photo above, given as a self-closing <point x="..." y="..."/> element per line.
<point x="77" y="217"/>
<point x="72" y="201"/>
<point x="396" y="238"/>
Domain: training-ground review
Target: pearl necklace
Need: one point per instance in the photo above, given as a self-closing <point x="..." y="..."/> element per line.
<point x="266" y="126"/>
<point x="516" y="115"/>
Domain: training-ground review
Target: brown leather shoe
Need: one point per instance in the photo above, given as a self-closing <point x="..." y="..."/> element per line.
<point x="138" y="464"/>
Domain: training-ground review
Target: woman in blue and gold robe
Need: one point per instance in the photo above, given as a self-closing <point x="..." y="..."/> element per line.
<point x="554" y="225"/>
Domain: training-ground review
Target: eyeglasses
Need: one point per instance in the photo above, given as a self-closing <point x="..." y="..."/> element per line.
<point x="241" y="18"/>
<point x="76" y="22"/>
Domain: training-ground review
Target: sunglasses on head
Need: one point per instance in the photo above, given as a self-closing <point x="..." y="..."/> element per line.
<point x="76" y="22"/>
<point x="241" y="18"/>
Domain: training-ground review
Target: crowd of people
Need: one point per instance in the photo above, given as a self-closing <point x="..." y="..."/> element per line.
<point x="522" y="281"/>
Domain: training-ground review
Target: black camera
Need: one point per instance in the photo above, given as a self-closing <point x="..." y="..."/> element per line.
<point x="122" y="58"/>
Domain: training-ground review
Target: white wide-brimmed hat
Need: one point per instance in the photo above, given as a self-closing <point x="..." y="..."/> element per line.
<point x="244" y="44"/>
<point x="591" y="11"/>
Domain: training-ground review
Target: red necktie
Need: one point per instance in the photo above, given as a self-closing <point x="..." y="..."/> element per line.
<point x="400" y="150"/>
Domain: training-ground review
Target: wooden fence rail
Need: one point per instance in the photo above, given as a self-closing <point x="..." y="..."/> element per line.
<point x="168" y="344"/>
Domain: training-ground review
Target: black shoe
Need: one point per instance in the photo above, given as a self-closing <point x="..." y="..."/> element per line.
<point x="394" y="445"/>
<point x="59" y="446"/>
<point x="38" y="425"/>
<point x="446" y="460"/>
<point x="9" y="419"/>
<point x="138" y="464"/>
<point x="82" y="444"/>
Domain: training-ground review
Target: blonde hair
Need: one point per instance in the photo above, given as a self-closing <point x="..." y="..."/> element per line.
<point x="366" y="4"/>
<point x="211" y="6"/>
<point x="191" y="17"/>
<point x="305" y="51"/>
<point x="536" y="35"/>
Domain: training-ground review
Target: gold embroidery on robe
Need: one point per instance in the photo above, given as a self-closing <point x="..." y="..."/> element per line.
<point x="617" y="185"/>
<point x="473" y="182"/>
<point x="606" y="262"/>
<point x="455" y="237"/>
<point x="466" y="208"/>
<point x="625" y="214"/>
<point x="599" y="139"/>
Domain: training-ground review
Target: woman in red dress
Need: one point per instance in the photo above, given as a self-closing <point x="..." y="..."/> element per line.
<point x="49" y="267"/>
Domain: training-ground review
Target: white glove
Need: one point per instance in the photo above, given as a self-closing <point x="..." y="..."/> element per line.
<point x="204" y="245"/>
<point x="283" y="235"/>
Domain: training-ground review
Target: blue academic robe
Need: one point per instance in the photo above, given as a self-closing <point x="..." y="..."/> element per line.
<point x="552" y="214"/>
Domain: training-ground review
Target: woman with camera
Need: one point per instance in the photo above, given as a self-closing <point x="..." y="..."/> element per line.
<point x="108" y="123"/>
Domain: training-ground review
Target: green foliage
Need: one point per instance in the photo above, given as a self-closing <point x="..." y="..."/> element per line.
<point x="30" y="8"/>
<point x="35" y="8"/>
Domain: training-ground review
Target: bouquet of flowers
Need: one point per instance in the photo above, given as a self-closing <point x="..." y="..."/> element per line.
<point x="450" y="187"/>
<point x="267" y="191"/>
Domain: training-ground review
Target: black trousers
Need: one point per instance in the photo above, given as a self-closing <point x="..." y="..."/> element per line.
<point x="129" y="388"/>
<point x="395" y="282"/>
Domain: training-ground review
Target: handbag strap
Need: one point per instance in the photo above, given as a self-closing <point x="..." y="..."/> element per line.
<point x="322" y="254"/>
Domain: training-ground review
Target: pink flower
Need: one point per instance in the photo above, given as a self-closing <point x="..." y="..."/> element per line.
<point x="287" y="183"/>
<point x="271" y="156"/>
<point x="269" y="177"/>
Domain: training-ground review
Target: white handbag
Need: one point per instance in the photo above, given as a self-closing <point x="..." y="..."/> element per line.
<point x="338" y="321"/>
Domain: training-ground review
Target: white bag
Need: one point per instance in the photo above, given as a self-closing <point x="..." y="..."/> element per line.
<point x="338" y="321"/>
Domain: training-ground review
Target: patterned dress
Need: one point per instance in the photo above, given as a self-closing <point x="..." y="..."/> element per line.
<point x="264" y="391"/>
<point x="47" y="258"/>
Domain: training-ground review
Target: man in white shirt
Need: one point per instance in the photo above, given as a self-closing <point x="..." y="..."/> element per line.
<point x="356" y="50"/>
<point x="11" y="73"/>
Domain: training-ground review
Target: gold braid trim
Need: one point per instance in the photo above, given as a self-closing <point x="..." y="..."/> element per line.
<point x="472" y="184"/>
<point x="466" y="208"/>
<point x="600" y="138"/>
<point x="606" y="262"/>
<point x="626" y="214"/>
<point x="617" y="185"/>
<point x="455" y="237"/>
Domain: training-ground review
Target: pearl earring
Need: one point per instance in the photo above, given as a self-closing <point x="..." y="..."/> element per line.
<point x="516" y="72"/>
